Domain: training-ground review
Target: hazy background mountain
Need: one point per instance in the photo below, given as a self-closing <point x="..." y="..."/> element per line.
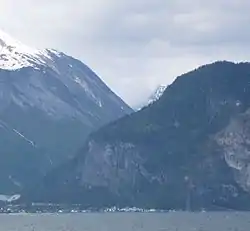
<point x="157" y="93"/>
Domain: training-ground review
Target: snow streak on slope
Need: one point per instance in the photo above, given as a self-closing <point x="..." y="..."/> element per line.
<point x="22" y="136"/>
<point x="8" y="128"/>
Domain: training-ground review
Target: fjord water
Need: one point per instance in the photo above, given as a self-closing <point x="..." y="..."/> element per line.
<point x="172" y="221"/>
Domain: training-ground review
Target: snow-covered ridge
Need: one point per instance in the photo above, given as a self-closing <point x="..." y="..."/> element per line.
<point x="157" y="94"/>
<point x="15" y="55"/>
<point x="62" y="89"/>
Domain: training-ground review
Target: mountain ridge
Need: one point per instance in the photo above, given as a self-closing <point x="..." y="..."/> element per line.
<point x="49" y="103"/>
<point x="176" y="152"/>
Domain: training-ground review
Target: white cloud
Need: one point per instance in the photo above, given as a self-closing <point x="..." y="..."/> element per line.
<point x="134" y="45"/>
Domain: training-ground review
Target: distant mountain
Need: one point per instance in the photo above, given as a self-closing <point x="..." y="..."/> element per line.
<point x="157" y="94"/>
<point x="152" y="98"/>
<point x="49" y="103"/>
<point x="188" y="150"/>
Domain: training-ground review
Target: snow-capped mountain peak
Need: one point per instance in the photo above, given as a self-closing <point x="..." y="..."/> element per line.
<point x="152" y="98"/>
<point x="49" y="103"/>
<point x="15" y="55"/>
<point x="157" y="94"/>
<point x="58" y="85"/>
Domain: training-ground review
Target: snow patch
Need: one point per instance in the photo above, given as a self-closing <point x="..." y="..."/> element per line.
<point x="9" y="198"/>
<point x="157" y="94"/>
<point x="99" y="103"/>
<point x="15" y="55"/>
<point x="238" y="103"/>
<point x="55" y="52"/>
<point x="89" y="92"/>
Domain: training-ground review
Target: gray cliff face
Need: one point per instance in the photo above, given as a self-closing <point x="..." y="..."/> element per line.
<point x="235" y="142"/>
<point x="117" y="163"/>
<point x="115" y="166"/>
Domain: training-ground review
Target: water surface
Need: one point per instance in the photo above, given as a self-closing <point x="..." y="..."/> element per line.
<point x="174" y="221"/>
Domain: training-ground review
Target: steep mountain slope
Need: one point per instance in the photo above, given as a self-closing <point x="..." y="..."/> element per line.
<point x="188" y="150"/>
<point x="49" y="103"/>
<point x="17" y="168"/>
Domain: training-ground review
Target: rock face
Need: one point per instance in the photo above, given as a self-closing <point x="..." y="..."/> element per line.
<point x="49" y="103"/>
<point x="235" y="140"/>
<point x="188" y="150"/>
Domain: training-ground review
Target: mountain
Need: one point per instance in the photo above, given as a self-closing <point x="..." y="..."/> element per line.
<point x="49" y="103"/>
<point x="158" y="92"/>
<point x="188" y="150"/>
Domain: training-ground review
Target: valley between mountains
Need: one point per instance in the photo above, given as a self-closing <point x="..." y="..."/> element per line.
<point x="66" y="138"/>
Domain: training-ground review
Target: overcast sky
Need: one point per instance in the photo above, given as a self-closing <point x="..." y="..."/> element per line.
<point x="134" y="45"/>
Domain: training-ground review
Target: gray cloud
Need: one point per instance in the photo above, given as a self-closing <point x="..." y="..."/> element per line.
<point x="134" y="45"/>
